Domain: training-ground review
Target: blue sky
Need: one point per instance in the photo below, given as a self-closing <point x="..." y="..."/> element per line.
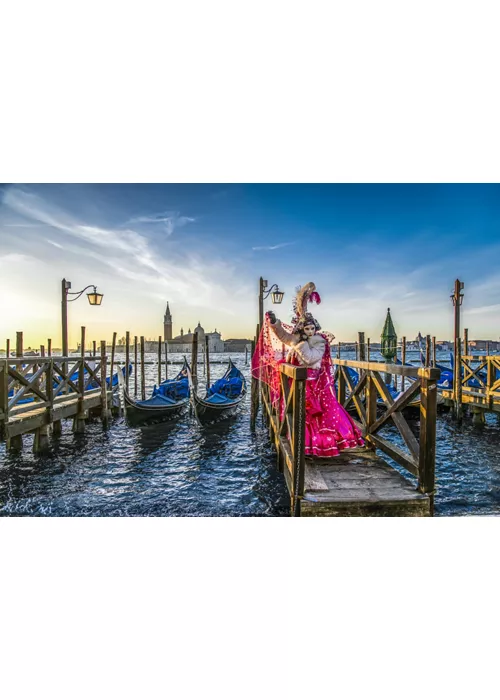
<point x="203" y="248"/>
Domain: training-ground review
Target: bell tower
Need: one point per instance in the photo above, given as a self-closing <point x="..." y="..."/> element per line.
<point x="167" y="324"/>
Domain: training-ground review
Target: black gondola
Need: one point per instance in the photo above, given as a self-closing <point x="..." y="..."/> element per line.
<point x="167" y="401"/>
<point x="222" y="398"/>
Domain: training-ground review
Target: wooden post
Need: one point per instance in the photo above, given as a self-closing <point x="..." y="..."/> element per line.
<point x="42" y="350"/>
<point x="159" y="359"/>
<point x="357" y="350"/>
<point x="261" y="302"/>
<point x="49" y="347"/>
<point x="4" y="397"/>
<point x="166" y="359"/>
<point x="19" y="344"/>
<point x="113" y="347"/>
<point x="341" y="386"/>
<point x="254" y="394"/>
<point x="143" y="375"/>
<point x="466" y="341"/>
<point x="362" y="348"/>
<point x="7" y="347"/>
<point x="433" y="350"/>
<point x="207" y="361"/>
<point x="368" y="349"/>
<point x="104" y="387"/>
<point x="194" y="359"/>
<point x="338" y="351"/>
<point x="246" y="354"/>
<point x="127" y="359"/>
<point x="135" y="366"/>
<point x="487" y="348"/>
<point x="457" y="376"/>
<point x="94" y="348"/>
<point x="79" y="419"/>
<point x="427" y="350"/>
<point x="298" y="438"/>
<point x="428" y="416"/>
<point x="371" y="407"/>
<point x="403" y="360"/>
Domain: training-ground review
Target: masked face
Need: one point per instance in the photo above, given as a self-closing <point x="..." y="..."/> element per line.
<point x="309" y="330"/>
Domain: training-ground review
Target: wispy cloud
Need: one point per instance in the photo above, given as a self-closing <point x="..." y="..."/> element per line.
<point x="57" y="245"/>
<point x="273" y="247"/>
<point x="168" y="220"/>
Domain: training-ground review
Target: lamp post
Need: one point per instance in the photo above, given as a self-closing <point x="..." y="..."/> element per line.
<point x="94" y="298"/>
<point x="457" y="298"/>
<point x="277" y="297"/>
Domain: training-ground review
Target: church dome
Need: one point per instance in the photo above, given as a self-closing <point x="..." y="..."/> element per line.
<point x="199" y="330"/>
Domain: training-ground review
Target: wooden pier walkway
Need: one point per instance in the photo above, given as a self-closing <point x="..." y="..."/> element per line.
<point x="358" y="482"/>
<point x="37" y="393"/>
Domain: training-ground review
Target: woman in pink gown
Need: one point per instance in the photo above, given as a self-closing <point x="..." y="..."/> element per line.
<point x="329" y="428"/>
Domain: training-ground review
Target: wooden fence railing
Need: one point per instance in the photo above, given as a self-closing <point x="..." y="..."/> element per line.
<point x="29" y="384"/>
<point x="480" y="378"/>
<point x="418" y="456"/>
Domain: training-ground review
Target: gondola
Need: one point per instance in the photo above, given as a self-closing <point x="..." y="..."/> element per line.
<point x="167" y="401"/>
<point x="222" y="398"/>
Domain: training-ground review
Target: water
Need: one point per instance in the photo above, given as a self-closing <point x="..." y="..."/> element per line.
<point x="181" y="469"/>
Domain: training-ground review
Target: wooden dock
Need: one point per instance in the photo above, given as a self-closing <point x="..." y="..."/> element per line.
<point x="37" y="393"/>
<point x="358" y="482"/>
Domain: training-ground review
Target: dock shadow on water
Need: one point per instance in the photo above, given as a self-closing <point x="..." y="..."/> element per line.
<point x="181" y="469"/>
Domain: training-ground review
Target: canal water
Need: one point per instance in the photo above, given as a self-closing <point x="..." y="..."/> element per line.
<point x="181" y="469"/>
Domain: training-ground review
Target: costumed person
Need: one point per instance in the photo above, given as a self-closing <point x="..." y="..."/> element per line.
<point x="329" y="428"/>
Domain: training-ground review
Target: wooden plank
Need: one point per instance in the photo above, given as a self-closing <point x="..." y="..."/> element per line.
<point x="397" y="405"/>
<point x="313" y="480"/>
<point x="298" y="373"/>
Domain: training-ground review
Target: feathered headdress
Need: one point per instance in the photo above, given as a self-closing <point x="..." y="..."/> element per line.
<point x="301" y="315"/>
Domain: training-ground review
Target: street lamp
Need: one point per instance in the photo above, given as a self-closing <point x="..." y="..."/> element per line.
<point x="94" y="297"/>
<point x="277" y="297"/>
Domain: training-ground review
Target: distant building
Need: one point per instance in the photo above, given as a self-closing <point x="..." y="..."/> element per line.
<point x="237" y="345"/>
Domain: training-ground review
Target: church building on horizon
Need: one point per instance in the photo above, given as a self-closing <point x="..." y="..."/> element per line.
<point x="183" y="342"/>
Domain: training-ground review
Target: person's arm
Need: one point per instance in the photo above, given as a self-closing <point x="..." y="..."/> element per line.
<point x="310" y="354"/>
<point x="283" y="335"/>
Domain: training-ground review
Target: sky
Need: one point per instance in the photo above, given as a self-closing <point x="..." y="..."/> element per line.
<point x="203" y="248"/>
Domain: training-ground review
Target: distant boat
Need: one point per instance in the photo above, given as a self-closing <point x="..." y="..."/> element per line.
<point x="222" y="398"/>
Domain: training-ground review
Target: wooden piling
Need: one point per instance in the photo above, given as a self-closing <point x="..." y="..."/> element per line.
<point x="368" y="349"/>
<point x="427" y="454"/>
<point x="94" y="348"/>
<point x="159" y="359"/>
<point x="104" y="387"/>
<point x="166" y="359"/>
<point x="403" y="360"/>
<point x="427" y="350"/>
<point x="113" y="348"/>
<point x="246" y="354"/>
<point x="127" y="359"/>
<point x="362" y="347"/>
<point x="42" y="350"/>
<point x="143" y="375"/>
<point x="194" y="359"/>
<point x="357" y="351"/>
<point x="433" y="350"/>
<point x="207" y="361"/>
<point x="7" y="347"/>
<point x="466" y="341"/>
<point x="19" y="344"/>
<point x="79" y="419"/>
<point x="135" y="367"/>
<point x="49" y="347"/>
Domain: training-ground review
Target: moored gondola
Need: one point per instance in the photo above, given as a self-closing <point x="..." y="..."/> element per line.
<point x="167" y="401"/>
<point x="222" y="398"/>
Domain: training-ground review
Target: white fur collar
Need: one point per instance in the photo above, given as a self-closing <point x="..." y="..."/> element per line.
<point x="316" y="340"/>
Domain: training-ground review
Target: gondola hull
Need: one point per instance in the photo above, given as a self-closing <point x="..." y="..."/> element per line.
<point x="140" y="413"/>
<point x="209" y="413"/>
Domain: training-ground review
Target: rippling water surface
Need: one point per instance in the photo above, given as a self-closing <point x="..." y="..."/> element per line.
<point x="181" y="469"/>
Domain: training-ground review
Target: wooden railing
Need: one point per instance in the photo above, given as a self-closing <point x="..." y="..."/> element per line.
<point x="28" y="384"/>
<point x="287" y="422"/>
<point x="419" y="457"/>
<point x="486" y="377"/>
<point x="287" y="419"/>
